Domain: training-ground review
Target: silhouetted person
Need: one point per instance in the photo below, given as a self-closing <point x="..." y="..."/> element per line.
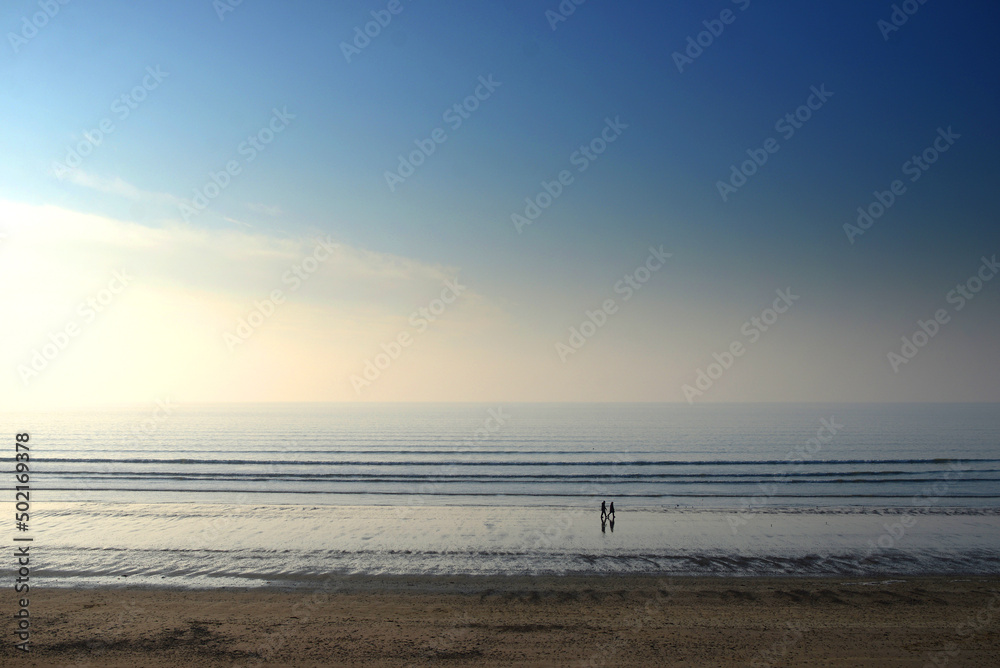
<point x="612" y="512"/>
<point x="604" y="509"/>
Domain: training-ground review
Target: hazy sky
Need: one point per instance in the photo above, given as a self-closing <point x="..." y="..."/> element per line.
<point x="126" y="271"/>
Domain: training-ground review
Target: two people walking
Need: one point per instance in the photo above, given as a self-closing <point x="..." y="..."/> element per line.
<point x="604" y="509"/>
<point x="607" y="514"/>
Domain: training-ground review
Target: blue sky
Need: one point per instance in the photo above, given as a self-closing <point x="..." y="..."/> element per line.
<point x="656" y="184"/>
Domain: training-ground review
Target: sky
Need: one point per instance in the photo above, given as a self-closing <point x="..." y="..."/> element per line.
<point x="498" y="201"/>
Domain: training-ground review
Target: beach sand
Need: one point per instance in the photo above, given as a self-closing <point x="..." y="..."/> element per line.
<point x="525" y="621"/>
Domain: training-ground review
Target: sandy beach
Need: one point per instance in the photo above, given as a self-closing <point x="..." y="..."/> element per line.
<point x="545" y="621"/>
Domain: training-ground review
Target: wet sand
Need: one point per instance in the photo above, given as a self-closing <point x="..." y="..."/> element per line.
<point x="524" y="621"/>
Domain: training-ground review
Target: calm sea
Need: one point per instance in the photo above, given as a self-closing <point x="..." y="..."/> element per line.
<point x="293" y="495"/>
<point x="526" y="454"/>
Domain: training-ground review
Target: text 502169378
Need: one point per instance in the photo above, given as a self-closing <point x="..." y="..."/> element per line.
<point x="22" y="543"/>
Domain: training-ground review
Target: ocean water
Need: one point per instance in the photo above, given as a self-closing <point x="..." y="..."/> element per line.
<point x="565" y="454"/>
<point x="216" y="495"/>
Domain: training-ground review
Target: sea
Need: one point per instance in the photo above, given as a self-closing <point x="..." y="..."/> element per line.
<point x="290" y="495"/>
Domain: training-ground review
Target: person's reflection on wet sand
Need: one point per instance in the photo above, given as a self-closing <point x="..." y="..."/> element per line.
<point x="604" y="524"/>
